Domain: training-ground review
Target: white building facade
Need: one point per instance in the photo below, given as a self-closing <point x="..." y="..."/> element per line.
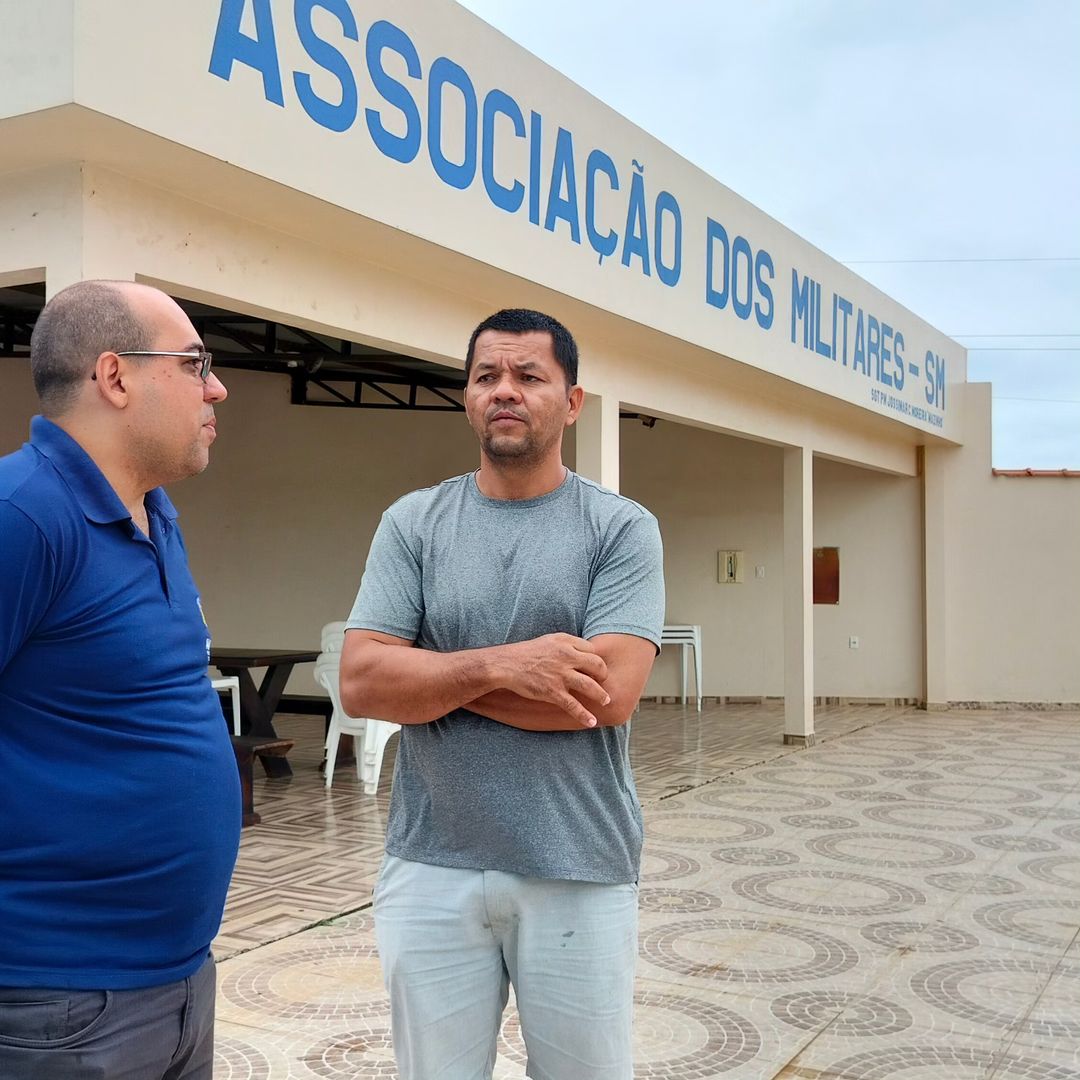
<point x="348" y="188"/>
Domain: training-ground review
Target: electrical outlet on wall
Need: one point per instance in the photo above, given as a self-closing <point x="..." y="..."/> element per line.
<point x="853" y="642"/>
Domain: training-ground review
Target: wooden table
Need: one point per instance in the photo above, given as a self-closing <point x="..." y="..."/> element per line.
<point x="258" y="705"/>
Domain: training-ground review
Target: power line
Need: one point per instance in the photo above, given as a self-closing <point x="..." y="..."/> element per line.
<point x="1025" y="348"/>
<point x="1016" y="259"/>
<point x="1047" y="400"/>
<point x="1013" y="335"/>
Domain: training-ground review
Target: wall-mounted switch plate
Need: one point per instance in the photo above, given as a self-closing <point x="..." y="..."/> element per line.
<point x="729" y="567"/>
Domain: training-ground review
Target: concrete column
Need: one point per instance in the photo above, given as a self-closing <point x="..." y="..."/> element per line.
<point x="60" y="273"/>
<point x="935" y="604"/>
<point x="87" y="244"/>
<point x="598" y="440"/>
<point x="798" y="596"/>
<point x="40" y="221"/>
<point x="67" y="266"/>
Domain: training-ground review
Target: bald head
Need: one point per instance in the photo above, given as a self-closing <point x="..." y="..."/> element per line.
<point x="75" y="327"/>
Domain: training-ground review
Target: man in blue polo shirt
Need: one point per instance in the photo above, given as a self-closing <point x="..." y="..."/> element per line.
<point x="119" y="800"/>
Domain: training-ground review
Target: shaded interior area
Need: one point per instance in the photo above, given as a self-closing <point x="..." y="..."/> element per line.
<point x="323" y="370"/>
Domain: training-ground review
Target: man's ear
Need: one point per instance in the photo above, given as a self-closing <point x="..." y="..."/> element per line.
<point x="577" y="399"/>
<point x="109" y="374"/>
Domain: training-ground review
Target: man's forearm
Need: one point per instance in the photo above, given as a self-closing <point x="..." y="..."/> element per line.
<point x="385" y="677"/>
<point x="509" y="708"/>
<point x="628" y="661"/>
<point x="415" y="686"/>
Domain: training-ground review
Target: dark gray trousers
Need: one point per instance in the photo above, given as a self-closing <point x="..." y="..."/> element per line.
<point x="156" y="1033"/>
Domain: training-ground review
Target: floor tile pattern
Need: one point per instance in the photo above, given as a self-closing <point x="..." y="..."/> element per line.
<point x="901" y="900"/>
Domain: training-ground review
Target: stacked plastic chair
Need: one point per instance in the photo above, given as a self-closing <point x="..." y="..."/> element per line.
<point x="371" y="736"/>
<point x="687" y="636"/>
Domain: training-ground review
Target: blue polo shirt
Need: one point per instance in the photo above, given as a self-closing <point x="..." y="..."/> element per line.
<point x="119" y="795"/>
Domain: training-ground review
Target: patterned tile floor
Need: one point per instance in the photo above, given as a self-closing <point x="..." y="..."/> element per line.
<point x="901" y="900"/>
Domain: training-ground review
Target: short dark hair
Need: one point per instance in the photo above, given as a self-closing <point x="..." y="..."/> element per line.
<point x="524" y="321"/>
<point x="74" y="328"/>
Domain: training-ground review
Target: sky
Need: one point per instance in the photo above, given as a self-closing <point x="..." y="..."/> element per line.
<point x="932" y="146"/>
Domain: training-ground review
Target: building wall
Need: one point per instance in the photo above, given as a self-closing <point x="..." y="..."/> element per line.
<point x="1010" y="554"/>
<point x="710" y="492"/>
<point x="80" y="221"/>
<point x="713" y="492"/>
<point x="1013" y="576"/>
<point x="279" y="525"/>
<point x="876" y="522"/>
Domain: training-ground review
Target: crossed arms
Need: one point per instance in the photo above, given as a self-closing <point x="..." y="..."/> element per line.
<point x="553" y="683"/>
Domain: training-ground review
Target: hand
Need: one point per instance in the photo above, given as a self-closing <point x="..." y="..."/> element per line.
<point x="559" y="669"/>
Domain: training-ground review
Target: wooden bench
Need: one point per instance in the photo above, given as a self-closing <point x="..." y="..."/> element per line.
<point x="247" y="748"/>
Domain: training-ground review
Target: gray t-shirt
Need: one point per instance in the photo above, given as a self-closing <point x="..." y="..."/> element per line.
<point x="453" y="569"/>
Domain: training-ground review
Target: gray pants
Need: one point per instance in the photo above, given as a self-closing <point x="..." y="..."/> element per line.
<point x="155" y="1033"/>
<point x="452" y="942"/>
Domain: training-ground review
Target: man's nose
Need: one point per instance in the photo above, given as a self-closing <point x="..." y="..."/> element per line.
<point x="506" y="389"/>
<point x="214" y="389"/>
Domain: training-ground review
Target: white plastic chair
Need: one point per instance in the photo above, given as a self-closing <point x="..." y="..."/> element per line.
<point x="376" y="735"/>
<point x="371" y="735"/>
<point x="333" y="637"/>
<point x="331" y="642"/>
<point x="232" y="684"/>
<point x="687" y="637"/>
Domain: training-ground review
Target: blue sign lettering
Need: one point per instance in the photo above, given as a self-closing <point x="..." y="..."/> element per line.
<point x="934" y="390"/>
<point x="741" y="247"/>
<point x="636" y="238"/>
<point x="469" y="132"/>
<point x="668" y="274"/>
<point x="739" y="272"/>
<point x="715" y="233"/>
<point x="259" y="52"/>
<point x="383" y="36"/>
<point x="560" y="206"/>
<point x="536" y="131"/>
<point x="845" y="309"/>
<point x="444" y="73"/>
<point x="886" y="355"/>
<point x="877" y="350"/>
<point x="763" y="308"/>
<point x="800" y="307"/>
<point x="603" y="244"/>
<point x="337" y="117"/>
<point x="496" y="104"/>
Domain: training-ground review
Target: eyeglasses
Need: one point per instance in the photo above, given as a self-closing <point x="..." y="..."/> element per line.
<point x="204" y="358"/>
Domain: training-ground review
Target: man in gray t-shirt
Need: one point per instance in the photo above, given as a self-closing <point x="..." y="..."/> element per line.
<point x="508" y="619"/>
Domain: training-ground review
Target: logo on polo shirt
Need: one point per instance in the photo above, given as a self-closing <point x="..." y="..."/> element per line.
<point x="202" y="615"/>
